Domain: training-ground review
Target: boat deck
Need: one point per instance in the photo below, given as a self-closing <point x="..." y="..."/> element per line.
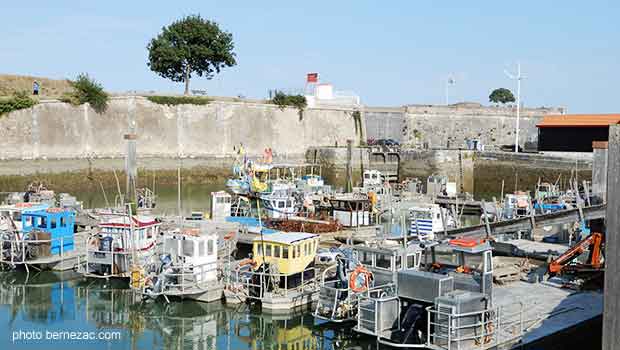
<point x="56" y="262"/>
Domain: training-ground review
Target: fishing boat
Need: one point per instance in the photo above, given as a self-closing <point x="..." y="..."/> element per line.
<point x="188" y="267"/>
<point x="121" y="244"/>
<point x="362" y="270"/>
<point x="516" y="205"/>
<point x="280" y="204"/>
<point x="457" y="306"/>
<point x="11" y="214"/>
<point x="44" y="239"/>
<point x="279" y="274"/>
<point x="428" y="219"/>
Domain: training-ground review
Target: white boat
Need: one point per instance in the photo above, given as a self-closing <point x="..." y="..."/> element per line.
<point x="428" y="219"/>
<point x="188" y="266"/>
<point x="362" y="270"/>
<point x="120" y="246"/>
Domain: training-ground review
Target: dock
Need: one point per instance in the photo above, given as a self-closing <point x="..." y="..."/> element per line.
<point x="529" y="222"/>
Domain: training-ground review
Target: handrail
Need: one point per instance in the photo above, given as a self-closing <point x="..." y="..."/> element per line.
<point x="198" y="270"/>
<point x="488" y="322"/>
<point x="17" y="244"/>
<point x="244" y="279"/>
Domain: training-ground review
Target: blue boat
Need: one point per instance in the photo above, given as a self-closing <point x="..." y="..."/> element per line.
<point x="58" y="223"/>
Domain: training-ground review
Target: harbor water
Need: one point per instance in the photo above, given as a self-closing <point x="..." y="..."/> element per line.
<point x="43" y="311"/>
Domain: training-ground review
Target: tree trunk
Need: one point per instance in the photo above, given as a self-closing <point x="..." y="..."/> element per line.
<point x="187" y="69"/>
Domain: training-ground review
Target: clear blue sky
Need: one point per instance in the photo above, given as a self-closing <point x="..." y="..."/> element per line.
<point x="389" y="52"/>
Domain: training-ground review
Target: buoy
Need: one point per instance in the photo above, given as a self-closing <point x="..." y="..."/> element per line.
<point x="360" y="271"/>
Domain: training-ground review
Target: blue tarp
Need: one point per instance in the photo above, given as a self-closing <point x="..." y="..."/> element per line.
<point x="252" y="224"/>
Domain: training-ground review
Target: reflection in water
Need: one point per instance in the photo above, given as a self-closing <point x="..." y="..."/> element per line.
<point x="71" y="303"/>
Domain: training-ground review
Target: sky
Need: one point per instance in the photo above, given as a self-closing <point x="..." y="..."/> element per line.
<point x="390" y="53"/>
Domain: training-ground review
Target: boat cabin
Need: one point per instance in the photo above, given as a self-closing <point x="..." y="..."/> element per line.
<point x="372" y="178"/>
<point x="291" y="252"/>
<point x="192" y="249"/>
<point x="53" y="227"/>
<point x="426" y="220"/>
<point x="11" y="215"/>
<point x="111" y="250"/>
<point x="351" y="212"/>
<point x="221" y="203"/>
<point x="278" y="206"/>
<point x="385" y="261"/>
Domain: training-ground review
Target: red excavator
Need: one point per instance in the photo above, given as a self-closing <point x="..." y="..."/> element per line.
<point x="564" y="263"/>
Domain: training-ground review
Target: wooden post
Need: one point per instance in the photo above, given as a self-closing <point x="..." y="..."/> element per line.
<point x="349" y="184"/>
<point x="611" y="326"/>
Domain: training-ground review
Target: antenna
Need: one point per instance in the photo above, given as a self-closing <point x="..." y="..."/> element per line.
<point x="518" y="77"/>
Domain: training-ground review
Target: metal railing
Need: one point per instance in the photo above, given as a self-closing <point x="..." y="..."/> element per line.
<point x="186" y="279"/>
<point x="484" y="329"/>
<point x="445" y="330"/>
<point x="241" y="282"/>
<point x="121" y="260"/>
<point x="332" y="299"/>
<point x="369" y="318"/>
<point x="15" y="251"/>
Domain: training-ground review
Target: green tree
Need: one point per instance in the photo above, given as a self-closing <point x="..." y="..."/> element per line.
<point x="87" y="90"/>
<point x="502" y="96"/>
<point x="191" y="45"/>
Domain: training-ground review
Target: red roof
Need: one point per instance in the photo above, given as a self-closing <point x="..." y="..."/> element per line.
<point x="579" y="120"/>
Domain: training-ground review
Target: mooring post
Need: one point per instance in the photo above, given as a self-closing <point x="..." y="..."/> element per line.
<point x="349" y="185"/>
<point x="611" y="325"/>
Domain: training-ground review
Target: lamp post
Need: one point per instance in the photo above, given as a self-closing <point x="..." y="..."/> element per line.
<point x="518" y="77"/>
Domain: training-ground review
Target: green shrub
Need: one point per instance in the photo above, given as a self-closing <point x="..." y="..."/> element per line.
<point x="87" y="90"/>
<point x="283" y="100"/>
<point x="19" y="100"/>
<point x="178" y="100"/>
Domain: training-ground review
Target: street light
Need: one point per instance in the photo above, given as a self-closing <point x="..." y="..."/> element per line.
<point x="518" y="77"/>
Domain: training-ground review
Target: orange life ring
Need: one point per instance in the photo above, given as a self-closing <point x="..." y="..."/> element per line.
<point x="23" y="205"/>
<point x="360" y="270"/>
<point x="229" y="235"/>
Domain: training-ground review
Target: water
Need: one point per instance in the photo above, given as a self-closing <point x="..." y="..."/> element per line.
<point x="51" y="302"/>
<point x="194" y="197"/>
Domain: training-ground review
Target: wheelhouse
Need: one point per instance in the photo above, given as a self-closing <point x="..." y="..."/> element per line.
<point x="291" y="252"/>
<point x="279" y="206"/>
<point x="372" y="178"/>
<point x="426" y="220"/>
<point x="352" y="212"/>
<point x="112" y="248"/>
<point x="53" y="227"/>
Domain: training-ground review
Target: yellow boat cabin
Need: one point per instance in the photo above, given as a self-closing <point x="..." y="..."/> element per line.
<point x="290" y="252"/>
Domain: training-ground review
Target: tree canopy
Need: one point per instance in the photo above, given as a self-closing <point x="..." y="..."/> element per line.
<point x="191" y="45"/>
<point x="502" y="96"/>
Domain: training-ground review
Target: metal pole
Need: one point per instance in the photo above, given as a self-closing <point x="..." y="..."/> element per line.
<point x="518" y="106"/>
<point x="179" y="192"/>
